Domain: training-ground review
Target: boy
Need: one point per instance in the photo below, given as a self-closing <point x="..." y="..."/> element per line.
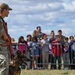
<point x="72" y="52"/>
<point x="56" y="50"/>
<point x="66" y="53"/>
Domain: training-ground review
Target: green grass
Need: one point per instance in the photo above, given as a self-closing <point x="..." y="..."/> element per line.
<point x="48" y="72"/>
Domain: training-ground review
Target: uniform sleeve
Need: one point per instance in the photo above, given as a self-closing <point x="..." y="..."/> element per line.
<point x="2" y="31"/>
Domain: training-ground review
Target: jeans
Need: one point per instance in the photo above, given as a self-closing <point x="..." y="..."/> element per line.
<point x="57" y="58"/>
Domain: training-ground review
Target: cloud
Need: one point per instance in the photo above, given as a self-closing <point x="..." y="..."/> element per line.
<point x="67" y="32"/>
<point x="62" y="25"/>
<point x="17" y="31"/>
<point x="69" y="6"/>
<point x="49" y="14"/>
<point x="39" y="1"/>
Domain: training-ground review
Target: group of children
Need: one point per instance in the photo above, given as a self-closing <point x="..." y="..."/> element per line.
<point x="45" y="50"/>
<point x="63" y="52"/>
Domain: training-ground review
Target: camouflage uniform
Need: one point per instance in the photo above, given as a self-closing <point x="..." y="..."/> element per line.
<point x="61" y="38"/>
<point x="4" y="60"/>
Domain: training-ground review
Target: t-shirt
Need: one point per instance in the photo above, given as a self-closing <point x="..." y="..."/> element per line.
<point x="35" y="47"/>
<point x="72" y="46"/>
<point x="50" y="46"/>
<point x="45" y="48"/>
<point x="22" y="46"/>
<point x="66" y="48"/>
<point x="51" y="40"/>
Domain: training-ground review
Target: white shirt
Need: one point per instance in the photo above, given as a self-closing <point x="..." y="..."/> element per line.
<point x="45" y="48"/>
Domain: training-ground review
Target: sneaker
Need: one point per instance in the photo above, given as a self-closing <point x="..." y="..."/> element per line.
<point x="66" y="68"/>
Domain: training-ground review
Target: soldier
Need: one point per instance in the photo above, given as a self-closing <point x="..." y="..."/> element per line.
<point x="5" y="40"/>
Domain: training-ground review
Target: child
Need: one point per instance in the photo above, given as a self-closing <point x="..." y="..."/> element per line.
<point x="72" y="52"/>
<point x="66" y="53"/>
<point x="29" y="42"/>
<point x="45" y="51"/>
<point x="35" y="51"/>
<point x="52" y="38"/>
<point x="22" y="44"/>
<point x="22" y="47"/>
<point x="56" y="52"/>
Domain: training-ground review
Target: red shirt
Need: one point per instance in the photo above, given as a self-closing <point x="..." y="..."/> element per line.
<point x="56" y="48"/>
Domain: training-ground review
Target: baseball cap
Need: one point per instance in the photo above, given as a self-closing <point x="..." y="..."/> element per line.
<point x="44" y="34"/>
<point x="5" y="6"/>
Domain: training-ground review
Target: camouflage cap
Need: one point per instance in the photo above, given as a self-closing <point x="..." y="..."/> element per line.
<point x="4" y="6"/>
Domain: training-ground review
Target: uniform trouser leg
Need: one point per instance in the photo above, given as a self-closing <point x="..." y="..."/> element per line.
<point x="4" y="63"/>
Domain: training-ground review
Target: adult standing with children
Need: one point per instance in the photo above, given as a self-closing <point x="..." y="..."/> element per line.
<point x="5" y="40"/>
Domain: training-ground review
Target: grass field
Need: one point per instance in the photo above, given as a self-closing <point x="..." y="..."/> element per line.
<point x="48" y="72"/>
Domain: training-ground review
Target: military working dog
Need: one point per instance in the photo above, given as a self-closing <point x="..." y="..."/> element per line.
<point x="14" y="67"/>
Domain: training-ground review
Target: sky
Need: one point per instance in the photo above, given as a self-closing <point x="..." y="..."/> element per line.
<point x="49" y="14"/>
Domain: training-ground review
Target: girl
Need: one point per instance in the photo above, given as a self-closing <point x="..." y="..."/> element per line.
<point x="66" y="53"/>
<point x="45" y="51"/>
<point x="22" y="44"/>
<point x="22" y="48"/>
<point x="52" y="38"/>
<point x="34" y="33"/>
<point x="29" y="42"/>
<point x="35" y="51"/>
